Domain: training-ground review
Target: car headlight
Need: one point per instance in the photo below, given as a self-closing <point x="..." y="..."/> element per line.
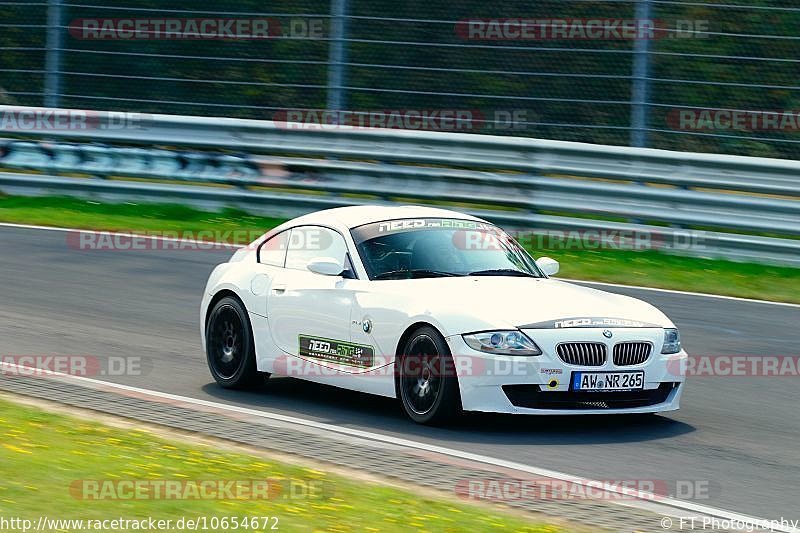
<point x="672" y="341"/>
<point x="502" y="343"/>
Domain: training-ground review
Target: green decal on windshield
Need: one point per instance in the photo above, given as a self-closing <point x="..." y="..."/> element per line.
<point x="429" y="223"/>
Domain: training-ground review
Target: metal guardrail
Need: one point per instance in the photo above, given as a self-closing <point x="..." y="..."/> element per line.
<point x="739" y="207"/>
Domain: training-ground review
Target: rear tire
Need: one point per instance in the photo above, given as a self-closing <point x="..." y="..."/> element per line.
<point x="230" y="350"/>
<point x="426" y="380"/>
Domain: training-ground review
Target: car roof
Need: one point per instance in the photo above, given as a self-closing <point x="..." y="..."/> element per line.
<point x="353" y="216"/>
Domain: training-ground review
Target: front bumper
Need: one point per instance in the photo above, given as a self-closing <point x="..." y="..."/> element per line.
<point x="541" y="384"/>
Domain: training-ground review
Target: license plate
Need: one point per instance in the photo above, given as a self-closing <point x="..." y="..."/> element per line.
<point x="607" y="381"/>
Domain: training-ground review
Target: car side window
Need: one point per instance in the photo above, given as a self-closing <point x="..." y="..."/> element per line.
<point x="307" y="243"/>
<point x="273" y="251"/>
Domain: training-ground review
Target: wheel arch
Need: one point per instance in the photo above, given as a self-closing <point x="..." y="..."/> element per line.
<point x="247" y="374"/>
<point x="402" y="342"/>
<point x="219" y="295"/>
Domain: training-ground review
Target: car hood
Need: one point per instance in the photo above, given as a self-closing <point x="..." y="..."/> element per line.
<point x="501" y="301"/>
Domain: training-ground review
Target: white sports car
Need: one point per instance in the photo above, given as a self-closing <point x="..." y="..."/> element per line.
<point x="442" y="310"/>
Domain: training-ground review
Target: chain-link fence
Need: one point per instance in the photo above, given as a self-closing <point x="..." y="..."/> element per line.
<point x="715" y="76"/>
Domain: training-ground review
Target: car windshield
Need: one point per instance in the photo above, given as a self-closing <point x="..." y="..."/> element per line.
<point x="438" y="247"/>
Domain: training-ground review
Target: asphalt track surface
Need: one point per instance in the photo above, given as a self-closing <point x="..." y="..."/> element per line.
<point x="741" y="435"/>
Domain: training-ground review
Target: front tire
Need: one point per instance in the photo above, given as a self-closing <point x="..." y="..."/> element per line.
<point x="230" y="349"/>
<point x="426" y="380"/>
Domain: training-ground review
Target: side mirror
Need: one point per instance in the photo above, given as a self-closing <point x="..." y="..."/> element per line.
<point x="548" y="266"/>
<point x="327" y="266"/>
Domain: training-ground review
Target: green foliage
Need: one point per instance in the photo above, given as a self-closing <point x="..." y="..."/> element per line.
<point x="408" y="55"/>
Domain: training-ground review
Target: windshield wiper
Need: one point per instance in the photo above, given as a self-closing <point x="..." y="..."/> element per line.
<point x="502" y="272"/>
<point x="415" y="273"/>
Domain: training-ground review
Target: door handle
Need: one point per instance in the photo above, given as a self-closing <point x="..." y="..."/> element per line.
<point x="279" y="289"/>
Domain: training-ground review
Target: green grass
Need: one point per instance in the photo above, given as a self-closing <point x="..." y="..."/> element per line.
<point x="46" y="457"/>
<point x="649" y="268"/>
<point x="75" y="213"/>
<point x="666" y="271"/>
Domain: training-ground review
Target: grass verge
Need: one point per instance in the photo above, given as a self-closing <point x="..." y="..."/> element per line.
<point x="82" y="214"/>
<point x="648" y="268"/>
<point x="50" y="462"/>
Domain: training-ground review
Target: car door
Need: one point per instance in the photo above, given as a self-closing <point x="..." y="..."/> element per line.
<point x="309" y="313"/>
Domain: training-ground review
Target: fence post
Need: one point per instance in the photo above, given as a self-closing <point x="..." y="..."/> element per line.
<point x="55" y="35"/>
<point x="337" y="55"/>
<point x="640" y="90"/>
